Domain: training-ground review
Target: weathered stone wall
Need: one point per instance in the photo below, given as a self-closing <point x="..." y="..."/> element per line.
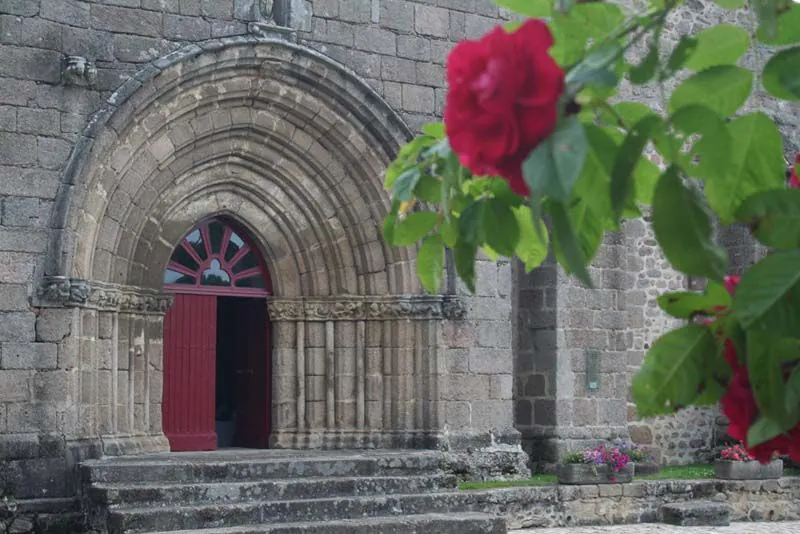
<point x="638" y="502"/>
<point x="687" y="436"/>
<point x="60" y="373"/>
<point x="572" y="354"/>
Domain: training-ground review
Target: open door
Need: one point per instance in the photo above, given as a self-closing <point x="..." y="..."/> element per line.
<point x="216" y="341"/>
<point x="252" y="368"/>
<point x="190" y="335"/>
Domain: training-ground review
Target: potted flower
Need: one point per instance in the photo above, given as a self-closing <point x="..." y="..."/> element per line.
<point x="735" y="463"/>
<point x="601" y="465"/>
<point x="643" y="462"/>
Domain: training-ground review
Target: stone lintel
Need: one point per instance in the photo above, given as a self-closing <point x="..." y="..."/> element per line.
<point x="366" y="308"/>
<point x="64" y="292"/>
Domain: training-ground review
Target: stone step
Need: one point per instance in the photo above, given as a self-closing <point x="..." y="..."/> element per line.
<point x="466" y="523"/>
<point x="186" y="468"/>
<point x="696" y="514"/>
<point x="266" y="490"/>
<point x="146" y="519"/>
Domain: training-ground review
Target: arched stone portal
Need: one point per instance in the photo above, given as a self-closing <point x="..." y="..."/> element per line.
<point x="293" y="147"/>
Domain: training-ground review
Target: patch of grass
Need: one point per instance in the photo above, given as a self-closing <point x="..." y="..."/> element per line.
<point x="678" y="472"/>
<point x="791" y="472"/>
<point x="682" y="472"/>
<point x="535" y="480"/>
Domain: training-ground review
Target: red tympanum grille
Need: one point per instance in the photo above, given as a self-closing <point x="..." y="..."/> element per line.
<point x="216" y="259"/>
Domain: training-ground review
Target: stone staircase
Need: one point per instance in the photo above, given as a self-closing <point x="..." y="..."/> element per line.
<point x="279" y="492"/>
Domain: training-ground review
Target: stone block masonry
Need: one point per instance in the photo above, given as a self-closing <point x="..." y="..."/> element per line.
<point x="95" y="181"/>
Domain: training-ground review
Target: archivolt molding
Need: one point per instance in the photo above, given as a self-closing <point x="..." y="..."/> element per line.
<point x="258" y="96"/>
<point x="367" y="308"/>
<point x="63" y="292"/>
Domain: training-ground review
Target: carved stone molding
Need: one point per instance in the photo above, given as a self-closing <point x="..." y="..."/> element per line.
<point x="60" y="291"/>
<point x="367" y="308"/>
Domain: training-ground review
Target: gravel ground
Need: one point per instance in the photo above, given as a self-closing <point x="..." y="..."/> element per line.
<point x="784" y="527"/>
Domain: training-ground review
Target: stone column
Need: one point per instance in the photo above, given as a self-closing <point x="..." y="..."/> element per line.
<point x="361" y="370"/>
<point x="113" y="348"/>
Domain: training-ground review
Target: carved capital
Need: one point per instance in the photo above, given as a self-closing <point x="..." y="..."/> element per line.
<point x="366" y="308"/>
<point x="63" y="292"/>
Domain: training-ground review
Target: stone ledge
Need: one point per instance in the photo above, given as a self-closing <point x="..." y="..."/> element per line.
<point x="696" y="514"/>
<point x="639" y="501"/>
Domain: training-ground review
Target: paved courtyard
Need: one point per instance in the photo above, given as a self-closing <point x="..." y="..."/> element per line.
<point x="785" y="527"/>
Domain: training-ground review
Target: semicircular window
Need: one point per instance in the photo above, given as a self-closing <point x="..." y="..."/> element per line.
<point x="215" y="258"/>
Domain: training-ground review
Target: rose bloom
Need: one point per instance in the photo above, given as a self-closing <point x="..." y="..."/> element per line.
<point x="502" y="100"/>
<point x="794" y="180"/>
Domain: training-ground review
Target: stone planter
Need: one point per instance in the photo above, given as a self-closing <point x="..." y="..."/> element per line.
<point x="581" y="474"/>
<point x="644" y="469"/>
<point x="728" y="470"/>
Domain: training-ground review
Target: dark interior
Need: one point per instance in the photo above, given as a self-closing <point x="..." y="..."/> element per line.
<point x="242" y="374"/>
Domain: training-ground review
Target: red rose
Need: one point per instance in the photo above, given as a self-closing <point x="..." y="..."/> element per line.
<point x="502" y="100"/>
<point x="794" y="180"/>
<point x="731" y="282"/>
<point x="739" y="406"/>
<point x="731" y="356"/>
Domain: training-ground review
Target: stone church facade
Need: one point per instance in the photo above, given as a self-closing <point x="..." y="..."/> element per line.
<point x="129" y="126"/>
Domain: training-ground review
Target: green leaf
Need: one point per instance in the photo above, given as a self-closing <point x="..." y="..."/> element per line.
<point x="434" y="129"/>
<point x="712" y="149"/>
<point x="532" y="244"/>
<point x="571" y="257"/>
<point x="680" y="55"/>
<point x="711" y="395"/>
<point x="554" y="166"/>
<point x="428" y="189"/>
<point x="622" y="177"/>
<point x="389" y="224"/>
<point x="792" y="400"/>
<point x="730" y="4"/>
<point x="633" y="112"/>
<point x="756" y="164"/>
<point x="500" y="227"/>
<point x="672" y="373"/>
<point x="530" y="8"/>
<point x="767" y="12"/>
<point x="773" y="217"/>
<point x="723" y="89"/>
<point x="765" y="358"/>
<point x="449" y="232"/>
<point x="589" y="225"/>
<point x="722" y="44"/>
<point x="464" y="256"/>
<point x="595" y="179"/>
<point x="787" y="29"/>
<point x="403" y="186"/>
<point x="646" y="70"/>
<point x="687" y="304"/>
<point x="768" y="295"/>
<point x="682" y="225"/>
<point x="414" y="227"/>
<point x="781" y="77"/>
<point x="470" y="224"/>
<point x="596" y="67"/>
<point x="430" y="263"/>
<point x="762" y="430"/>
<point x="645" y="178"/>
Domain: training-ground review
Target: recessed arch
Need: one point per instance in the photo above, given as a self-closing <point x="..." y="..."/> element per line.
<point x="294" y="139"/>
<point x="291" y="147"/>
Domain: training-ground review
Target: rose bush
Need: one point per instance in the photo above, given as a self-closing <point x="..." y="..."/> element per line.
<point x="503" y="101"/>
<point x="538" y="154"/>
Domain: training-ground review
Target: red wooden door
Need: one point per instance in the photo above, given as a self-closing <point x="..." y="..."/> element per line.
<point x="190" y="336"/>
<point x="254" y="406"/>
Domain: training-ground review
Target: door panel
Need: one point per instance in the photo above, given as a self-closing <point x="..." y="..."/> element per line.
<point x="254" y="406"/>
<point x="190" y="335"/>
